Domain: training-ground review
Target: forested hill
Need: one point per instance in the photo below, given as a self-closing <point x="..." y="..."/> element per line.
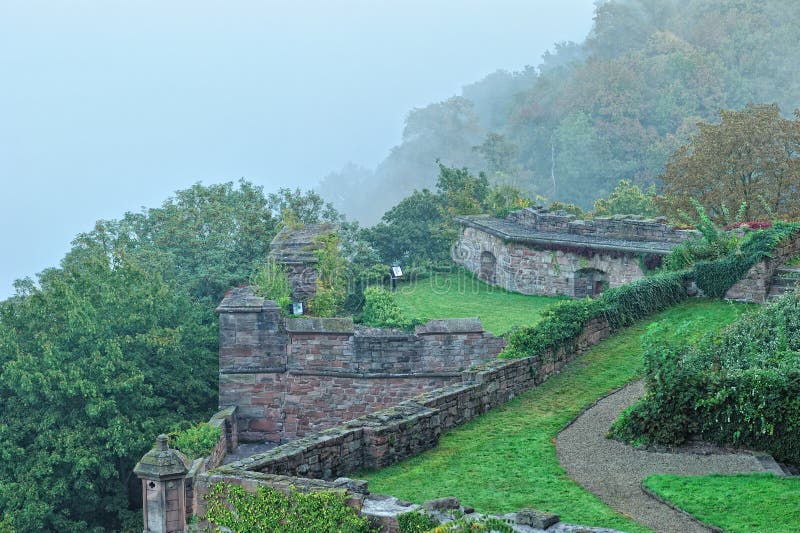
<point x="613" y="107"/>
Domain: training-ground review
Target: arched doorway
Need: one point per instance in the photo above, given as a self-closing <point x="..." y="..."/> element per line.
<point x="589" y="282"/>
<point x="488" y="272"/>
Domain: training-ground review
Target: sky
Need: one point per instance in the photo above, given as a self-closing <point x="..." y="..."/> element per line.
<point x="107" y="106"/>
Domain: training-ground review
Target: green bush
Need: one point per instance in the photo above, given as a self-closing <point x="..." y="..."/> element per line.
<point x="231" y="508"/>
<point x="740" y="387"/>
<point x="272" y="282"/>
<point x="559" y="325"/>
<point x="381" y="310"/>
<point x="715" y="273"/>
<point x="416" y="522"/>
<point x="629" y="303"/>
<point x="195" y="441"/>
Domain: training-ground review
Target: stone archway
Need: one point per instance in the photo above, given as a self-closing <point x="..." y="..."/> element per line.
<point x="589" y="282"/>
<point x="488" y="271"/>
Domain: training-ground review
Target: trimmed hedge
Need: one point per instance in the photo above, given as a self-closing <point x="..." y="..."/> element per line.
<point x="627" y="304"/>
<point x="621" y="306"/>
<point x="740" y="387"/>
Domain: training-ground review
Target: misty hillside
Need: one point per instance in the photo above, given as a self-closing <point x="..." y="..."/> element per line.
<point x="613" y="107"/>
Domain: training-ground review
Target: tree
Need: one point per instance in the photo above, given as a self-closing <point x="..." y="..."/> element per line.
<point x="627" y="199"/>
<point x="751" y="158"/>
<point x="98" y="359"/>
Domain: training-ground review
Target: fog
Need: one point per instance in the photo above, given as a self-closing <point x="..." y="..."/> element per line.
<point x="108" y="106"/>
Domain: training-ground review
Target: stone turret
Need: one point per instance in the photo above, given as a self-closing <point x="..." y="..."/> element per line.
<point x="163" y="474"/>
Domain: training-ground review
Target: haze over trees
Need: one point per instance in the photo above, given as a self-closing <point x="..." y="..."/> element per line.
<point x="612" y="107"/>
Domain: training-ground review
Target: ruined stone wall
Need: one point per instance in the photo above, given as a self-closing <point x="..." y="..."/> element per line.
<point x="389" y="435"/>
<point x="292" y="377"/>
<point x="535" y="270"/>
<point x="616" y="227"/>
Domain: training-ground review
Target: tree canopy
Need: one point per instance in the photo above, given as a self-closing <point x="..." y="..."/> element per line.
<point x="751" y="158"/>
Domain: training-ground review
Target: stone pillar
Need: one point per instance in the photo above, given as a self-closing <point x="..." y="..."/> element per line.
<point x="252" y="363"/>
<point x="163" y="474"/>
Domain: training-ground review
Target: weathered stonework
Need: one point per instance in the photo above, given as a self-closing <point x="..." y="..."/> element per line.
<point x="294" y="249"/>
<point x="538" y="252"/>
<point x="292" y="377"/>
<point x="386" y="436"/>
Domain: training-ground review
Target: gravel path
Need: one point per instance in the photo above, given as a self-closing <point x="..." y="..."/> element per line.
<point x="613" y="471"/>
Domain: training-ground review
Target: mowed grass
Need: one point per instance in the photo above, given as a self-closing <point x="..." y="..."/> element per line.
<point x="506" y="460"/>
<point x="746" y="503"/>
<point x="461" y="295"/>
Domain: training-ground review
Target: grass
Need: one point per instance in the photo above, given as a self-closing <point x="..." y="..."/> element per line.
<point x="460" y="295"/>
<point x="745" y="503"/>
<point x="505" y="460"/>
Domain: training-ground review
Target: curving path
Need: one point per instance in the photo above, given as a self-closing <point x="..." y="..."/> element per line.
<point x="613" y="471"/>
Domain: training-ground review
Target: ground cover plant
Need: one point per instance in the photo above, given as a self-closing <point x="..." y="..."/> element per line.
<point x="746" y="503"/>
<point x="231" y="508"/>
<point x="459" y="294"/>
<point x="505" y="460"/>
<point x="738" y="387"/>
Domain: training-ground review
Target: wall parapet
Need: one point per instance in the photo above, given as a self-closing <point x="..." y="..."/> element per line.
<point x="387" y="436"/>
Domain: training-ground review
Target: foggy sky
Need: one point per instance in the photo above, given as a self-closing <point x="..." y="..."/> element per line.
<point x="110" y="105"/>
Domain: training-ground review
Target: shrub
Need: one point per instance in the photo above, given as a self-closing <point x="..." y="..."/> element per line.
<point x="559" y="325"/>
<point x="331" y="268"/>
<point x="416" y="522"/>
<point x="272" y="282"/>
<point x="629" y="303"/>
<point x="716" y="277"/>
<point x="740" y="387"/>
<point x="195" y="441"/>
<point x="381" y="310"/>
<point x="230" y="508"/>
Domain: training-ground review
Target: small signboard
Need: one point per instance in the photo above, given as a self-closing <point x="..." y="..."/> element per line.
<point x="297" y="308"/>
<point x="397" y="272"/>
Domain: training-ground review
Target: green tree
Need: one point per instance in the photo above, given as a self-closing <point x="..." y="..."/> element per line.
<point x="627" y="199"/>
<point x="751" y="158"/>
<point x="96" y="360"/>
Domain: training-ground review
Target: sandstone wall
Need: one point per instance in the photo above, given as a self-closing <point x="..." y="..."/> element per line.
<point x="535" y="270"/>
<point x="617" y="227"/>
<point x="292" y="377"/>
<point x="389" y="435"/>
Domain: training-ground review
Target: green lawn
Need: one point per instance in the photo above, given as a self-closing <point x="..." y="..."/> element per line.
<point x="460" y="294"/>
<point x="751" y="503"/>
<point x="505" y="460"/>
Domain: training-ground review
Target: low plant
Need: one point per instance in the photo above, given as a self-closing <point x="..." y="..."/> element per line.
<point x="231" y="508"/>
<point x="559" y="325"/>
<point x="331" y="266"/>
<point x="416" y="522"/>
<point x="195" y="441"/>
<point x="629" y="303"/>
<point x="472" y="524"/>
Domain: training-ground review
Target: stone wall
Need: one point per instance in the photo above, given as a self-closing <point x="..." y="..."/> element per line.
<point x="292" y="377"/>
<point x="754" y="286"/>
<point x="387" y="436"/>
<point x="228" y="441"/>
<point x="617" y="227"/>
<point x="538" y="270"/>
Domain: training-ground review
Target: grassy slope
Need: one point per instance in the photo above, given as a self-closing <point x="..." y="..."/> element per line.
<point x="460" y="295"/>
<point x="738" y="504"/>
<point x="505" y="460"/>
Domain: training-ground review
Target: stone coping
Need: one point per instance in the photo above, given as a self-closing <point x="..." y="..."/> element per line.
<point x="515" y="232"/>
<point x="320" y="325"/>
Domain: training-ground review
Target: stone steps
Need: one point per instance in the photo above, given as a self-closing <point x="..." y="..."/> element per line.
<point x="784" y="279"/>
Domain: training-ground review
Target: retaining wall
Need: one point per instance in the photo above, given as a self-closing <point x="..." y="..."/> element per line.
<point x="293" y="377"/>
